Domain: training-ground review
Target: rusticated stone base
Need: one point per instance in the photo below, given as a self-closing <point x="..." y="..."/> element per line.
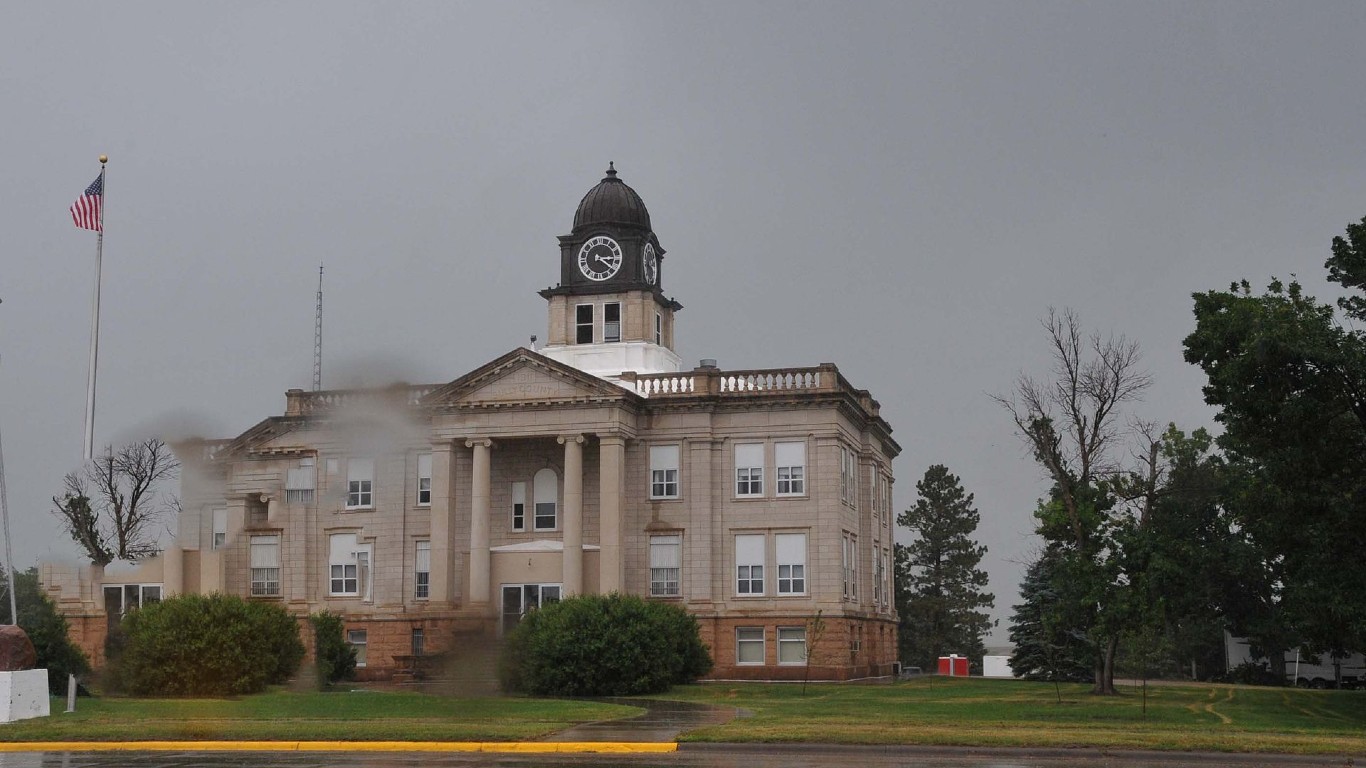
<point x="847" y="649"/>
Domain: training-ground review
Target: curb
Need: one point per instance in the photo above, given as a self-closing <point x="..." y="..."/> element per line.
<point x="522" y="747"/>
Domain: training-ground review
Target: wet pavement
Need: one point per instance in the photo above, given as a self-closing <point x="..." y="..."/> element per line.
<point x="690" y="756"/>
<point x="662" y="721"/>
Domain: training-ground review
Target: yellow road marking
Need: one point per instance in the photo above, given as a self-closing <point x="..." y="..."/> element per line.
<point x="340" y="746"/>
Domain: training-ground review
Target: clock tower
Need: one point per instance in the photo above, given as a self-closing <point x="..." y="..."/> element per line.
<point x="609" y="313"/>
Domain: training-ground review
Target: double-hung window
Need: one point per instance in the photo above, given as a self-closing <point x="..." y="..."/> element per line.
<point x="877" y="575"/>
<point x="666" y="558"/>
<point x="220" y="528"/>
<point x="265" y="566"/>
<point x="791" y="645"/>
<point x="424" y="479"/>
<point x="360" y="483"/>
<point x="791" y="549"/>
<point x="749" y="564"/>
<point x="422" y="570"/>
<point x="583" y="324"/>
<point x="611" y="322"/>
<point x="749" y="469"/>
<point x="357" y="639"/>
<point x="886" y="581"/>
<point x="300" y="482"/>
<point x="663" y="471"/>
<point x="749" y="645"/>
<point x="791" y="469"/>
<point x="659" y="329"/>
<point x="545" y="491"/>
<point x="519" y="506"/>
<point x="847" y="557"/>
<point x="349" y="569"/>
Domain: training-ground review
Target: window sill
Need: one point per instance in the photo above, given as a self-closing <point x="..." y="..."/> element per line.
<point x="754" y="497"/>
<point x="666" y="498"/>
<point x="666" y="597"/>
<point x="793" y="496"/>
<point x="793" y="594"/>
<point x="423" y="504"/>
<point x="751" y="596"/>
<point x="370" y="508"/>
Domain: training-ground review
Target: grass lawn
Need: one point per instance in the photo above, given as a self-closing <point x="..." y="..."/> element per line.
<point x="285" y="716"/>
<point x="1011" y="713"/>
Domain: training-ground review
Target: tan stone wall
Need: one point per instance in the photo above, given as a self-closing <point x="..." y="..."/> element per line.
<point x="87" y="632"/>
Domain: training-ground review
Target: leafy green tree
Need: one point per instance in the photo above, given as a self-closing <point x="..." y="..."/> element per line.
<point x="1199" y="571"/>
<point x="47" y="629"/>
<point x="944" y="606"/>
<point x="1289" y="382"/>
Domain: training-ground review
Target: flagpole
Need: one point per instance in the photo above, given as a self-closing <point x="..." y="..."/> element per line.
<point x="9" y="549"/>
<point x="95" y="325"/>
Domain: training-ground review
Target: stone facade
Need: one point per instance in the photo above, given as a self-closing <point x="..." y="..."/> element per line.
<point x="431" y="517"/>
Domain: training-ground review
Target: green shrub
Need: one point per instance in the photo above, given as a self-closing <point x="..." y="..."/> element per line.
<point x="603" y="645"/>
<point x="336" y="658"/>
<point x="214" y="645"/>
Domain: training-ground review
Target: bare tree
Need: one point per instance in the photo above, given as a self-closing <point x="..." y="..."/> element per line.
<point x="111" y="507"/>
<point x="1072" y="424"/>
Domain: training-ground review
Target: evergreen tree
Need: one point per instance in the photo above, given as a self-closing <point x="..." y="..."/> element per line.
<point x="1047" y="645"/>
<point x="941" y="595"/>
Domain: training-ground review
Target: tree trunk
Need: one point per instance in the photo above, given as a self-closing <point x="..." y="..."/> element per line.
<point x="1105" y="670"/>
<point x="1276" y="657"/>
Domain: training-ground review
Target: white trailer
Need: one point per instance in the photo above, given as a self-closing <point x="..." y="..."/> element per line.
<point x="1299" y="670"/>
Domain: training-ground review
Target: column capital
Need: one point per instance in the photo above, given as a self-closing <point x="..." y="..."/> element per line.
<point x="443" y="444"/>
<point x="484" y="441"/>
<point x="612" y="438"/>
<point x="562" y="439"/>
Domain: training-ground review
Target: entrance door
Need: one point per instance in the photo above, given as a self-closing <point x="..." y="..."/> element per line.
<point x="520" y="598"/>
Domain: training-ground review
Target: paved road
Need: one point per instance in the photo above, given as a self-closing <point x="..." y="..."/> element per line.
<point x="690" y="756"/>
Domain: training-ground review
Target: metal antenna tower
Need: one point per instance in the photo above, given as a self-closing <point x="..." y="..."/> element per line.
<point x="318" y="336"/>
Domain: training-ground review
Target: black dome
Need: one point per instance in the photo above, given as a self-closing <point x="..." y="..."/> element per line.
<point x="611" y="202"/>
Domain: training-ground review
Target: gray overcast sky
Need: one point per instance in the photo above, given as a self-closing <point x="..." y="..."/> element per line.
<point x="901" y="188"/>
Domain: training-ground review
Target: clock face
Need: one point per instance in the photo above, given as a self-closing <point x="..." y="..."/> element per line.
<point x="649" y="263"/>
<point x="600" y="258"/>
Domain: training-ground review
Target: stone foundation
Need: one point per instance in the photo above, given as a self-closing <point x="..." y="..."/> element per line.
<point x="847" y="649"/>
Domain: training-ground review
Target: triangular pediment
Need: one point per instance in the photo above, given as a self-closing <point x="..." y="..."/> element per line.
<point x="523" y="376"/>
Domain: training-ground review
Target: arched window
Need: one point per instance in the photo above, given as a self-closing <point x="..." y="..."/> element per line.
<point x="545" y="492"/>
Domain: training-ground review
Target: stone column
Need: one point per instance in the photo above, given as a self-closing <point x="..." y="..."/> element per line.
<point x="172" y="571"/>
<point x="442" y="511"/>
<point x="272" y="502"/>
<point x="479" y="525"/>
<point x="611" y="472"/>
<point x="573" y="514"/>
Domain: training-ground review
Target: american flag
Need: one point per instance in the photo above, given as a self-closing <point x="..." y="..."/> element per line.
<point x="88" y="210"/>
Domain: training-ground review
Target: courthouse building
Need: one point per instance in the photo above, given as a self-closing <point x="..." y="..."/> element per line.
<point x="432" y="516"/>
